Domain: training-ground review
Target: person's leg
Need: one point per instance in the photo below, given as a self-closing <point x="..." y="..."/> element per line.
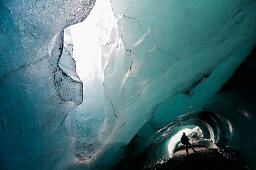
<point x="187" y="148"/>
<point x="192" y="147"/>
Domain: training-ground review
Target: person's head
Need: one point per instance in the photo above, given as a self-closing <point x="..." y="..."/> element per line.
<point x="184" y="133"/>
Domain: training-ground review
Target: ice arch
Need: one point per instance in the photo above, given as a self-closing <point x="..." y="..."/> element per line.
<point x="175" y="139"/>
<point x="166" y="71"/>
<point x="164" y="61"/>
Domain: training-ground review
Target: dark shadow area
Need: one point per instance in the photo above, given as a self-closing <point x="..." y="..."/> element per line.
<point x="243" y="82"/>
<point x="236" y="103"/>
<point x="209" y="159"/>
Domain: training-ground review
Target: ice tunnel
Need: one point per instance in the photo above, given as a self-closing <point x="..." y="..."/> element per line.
<point x="112" y="84"/>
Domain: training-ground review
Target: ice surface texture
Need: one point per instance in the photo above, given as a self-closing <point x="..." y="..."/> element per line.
<point x="37" y="89"/>
<point x="164" y="59"/>
<point x="175" y="56"/>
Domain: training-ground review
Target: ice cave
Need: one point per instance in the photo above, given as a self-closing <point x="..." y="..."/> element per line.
<point x="113" y="84"/>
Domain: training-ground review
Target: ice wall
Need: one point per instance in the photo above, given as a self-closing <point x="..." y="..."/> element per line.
<point x="162" y="60"/>
<point x="174" y="57"/>
<point x="235" y="102"/>
<point x="38" y="83"/>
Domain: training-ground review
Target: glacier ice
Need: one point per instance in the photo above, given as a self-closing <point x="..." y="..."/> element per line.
<point x="37" y="92"/>
<point x="180" y="55"/>
<point x="158" y="66"/>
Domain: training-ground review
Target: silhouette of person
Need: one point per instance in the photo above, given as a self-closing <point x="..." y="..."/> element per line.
<point x="184" y="140"/>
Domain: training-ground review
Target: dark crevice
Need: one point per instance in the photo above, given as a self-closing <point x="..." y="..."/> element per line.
<point x="243" y="81"/>
<point x="195" y="83"/>
<point x="57" y="83"/>
<point x="113" y="107"/>
<point x="168" y="53"/>
<point x="124" y="16"/>
<point x="59" y="75"/>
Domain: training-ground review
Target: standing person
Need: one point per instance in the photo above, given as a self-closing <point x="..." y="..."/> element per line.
<point x="184" y="140"/>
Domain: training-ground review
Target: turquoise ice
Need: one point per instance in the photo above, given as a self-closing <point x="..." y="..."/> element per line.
<point x="159" y="65"/>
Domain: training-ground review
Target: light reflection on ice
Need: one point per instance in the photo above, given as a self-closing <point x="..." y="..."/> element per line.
<point x="88" y="38"/>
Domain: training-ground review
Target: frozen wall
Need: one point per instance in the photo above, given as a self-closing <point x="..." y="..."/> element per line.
<point x="37" y="87"/>
<point x="175" y="56"/>
<point x="235" y="102"/>
<point x="161" y="60"/>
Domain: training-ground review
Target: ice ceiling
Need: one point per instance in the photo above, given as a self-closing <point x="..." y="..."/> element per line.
<point x="151" y="70"/>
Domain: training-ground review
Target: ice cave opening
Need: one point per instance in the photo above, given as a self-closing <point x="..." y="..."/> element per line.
<point x="175" y="139"/>
<point x="88" y="40"/>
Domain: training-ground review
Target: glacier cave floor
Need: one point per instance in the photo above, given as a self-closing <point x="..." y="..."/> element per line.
<point x="183" y="151"/>
<point x="206" y="159"/>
